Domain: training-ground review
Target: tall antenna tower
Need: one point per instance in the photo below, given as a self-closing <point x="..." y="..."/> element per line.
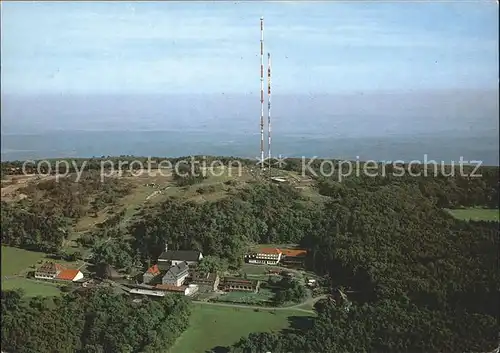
<point x="269" y="109"/>
<point x="262" y="92"/>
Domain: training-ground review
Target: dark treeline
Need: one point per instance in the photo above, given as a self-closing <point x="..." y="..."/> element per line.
<point x="446" y="186"/>
<point x="385" y="326"/>
<point x="90" y="322"/>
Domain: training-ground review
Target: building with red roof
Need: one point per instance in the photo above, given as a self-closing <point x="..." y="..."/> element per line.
<point x="151" y="274"/>
<point x="69" y="275"/>
<point x="267" y="256"/>
<point x="294" y="257"/>
<point x="51" y="270"/>
<point x="294" y="252"/>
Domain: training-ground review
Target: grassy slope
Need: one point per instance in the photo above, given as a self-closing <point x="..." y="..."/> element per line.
<point x="222" y="326"/>
<point x="32" y="287"/>
<point x="476" y="214"/>
<point x="16" y="261"/>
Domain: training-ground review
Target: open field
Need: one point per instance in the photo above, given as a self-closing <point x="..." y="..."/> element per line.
<point x="251" y="269"/>
<point x="476" y="214"/>
<point x="223" y="326"/>
<point x="17" y="261"/>
<point x="32" y="287"/>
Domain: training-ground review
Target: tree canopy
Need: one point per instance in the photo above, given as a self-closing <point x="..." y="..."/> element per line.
<point x="94" y="321"/>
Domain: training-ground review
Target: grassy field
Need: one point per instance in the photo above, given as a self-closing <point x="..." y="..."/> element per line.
<point x="213" y="326"/>
<point x="476" y="214"/>
<point x="17" y="261"/>
<point x="32" y="287"/>
<point x="251" y="269"/>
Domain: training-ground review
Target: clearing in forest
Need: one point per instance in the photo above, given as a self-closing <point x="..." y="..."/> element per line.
<point x="476" y="214"/>
<point x="216" y="326"/>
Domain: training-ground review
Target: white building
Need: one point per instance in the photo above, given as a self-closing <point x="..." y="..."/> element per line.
<point x="49" y="270"/>
<point x="163" y="289"/>
<point x="186" y="290"/>
<point x="176" y="275"/>
<point x="267" y="256"/>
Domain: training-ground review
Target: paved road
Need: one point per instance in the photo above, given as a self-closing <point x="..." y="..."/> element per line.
<point x="309" y="301"/>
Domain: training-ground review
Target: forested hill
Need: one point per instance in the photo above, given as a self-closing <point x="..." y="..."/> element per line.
<point x="424" y="281"/>
<point x="417" y="278"/>
<point x="95" y="321"/>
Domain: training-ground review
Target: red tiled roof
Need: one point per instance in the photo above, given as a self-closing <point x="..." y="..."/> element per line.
<point x="171" y="288"/>
<point x="294" y="252"/>
<point x="269" y="251"/>
<point x="67" y="275"/>
<point x="154" y="270"/>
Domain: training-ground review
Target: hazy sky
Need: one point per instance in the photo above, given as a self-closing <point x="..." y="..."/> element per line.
<point x="204" y="47"/>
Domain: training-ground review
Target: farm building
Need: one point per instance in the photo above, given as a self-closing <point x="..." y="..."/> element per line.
<point x="205" y="280"/>
<point x="173" y="257"/>
<point x="53" y="271"/>
<point x="69" y="275"/>
<point x="176" y="274"/>
<point x="230" y="284"/>
<point x="186" y="290"/>
<point x="48" y="270"/>
<point x="151" y="274"/>
<point x="267" y="256"/>
<point x="294" y="257"/>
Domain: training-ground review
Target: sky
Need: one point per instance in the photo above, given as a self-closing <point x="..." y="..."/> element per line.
<point x="213" y="48"/>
